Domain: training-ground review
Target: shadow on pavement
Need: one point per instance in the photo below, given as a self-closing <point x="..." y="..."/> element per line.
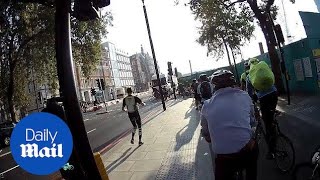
<point x="121" y="159"/>
<point x="186" y="136"/>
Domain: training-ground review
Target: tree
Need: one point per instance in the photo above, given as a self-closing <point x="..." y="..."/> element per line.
<point x="27" y="45"/>
<point x="262" y="11"/>
<point x="221" y="26"/>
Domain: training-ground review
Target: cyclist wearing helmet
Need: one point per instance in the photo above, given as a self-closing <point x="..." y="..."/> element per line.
<point x="197" y="97"/>
<point x="205" y="88"/>
<point x="268" y="103"/>
<point x="244" y="76"/>
<point x="227" y="120"/>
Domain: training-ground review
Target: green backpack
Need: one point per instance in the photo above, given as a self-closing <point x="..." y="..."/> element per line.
<point x="261" y="76"/>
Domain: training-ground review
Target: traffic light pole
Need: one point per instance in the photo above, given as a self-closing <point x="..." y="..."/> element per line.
<point x="154" y="56"/>
<point x="67" y="85"/>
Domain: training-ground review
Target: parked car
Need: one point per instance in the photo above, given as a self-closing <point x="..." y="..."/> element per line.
<point x="6" y="129"/>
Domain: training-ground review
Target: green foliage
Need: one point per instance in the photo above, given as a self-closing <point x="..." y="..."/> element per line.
<point x="27" y="48"/>
<point x="220" y="25"/>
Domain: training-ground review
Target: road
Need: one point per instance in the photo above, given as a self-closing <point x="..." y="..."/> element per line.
<point x="102" y="129"/>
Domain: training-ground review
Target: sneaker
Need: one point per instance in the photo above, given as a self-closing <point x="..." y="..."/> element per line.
<point x="132" y="141"/>
<point x="140" y="143"/>
<point x="270" y="156"/>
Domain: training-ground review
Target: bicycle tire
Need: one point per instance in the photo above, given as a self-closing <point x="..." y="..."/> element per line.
<point x="303" y="170"/>
<point x="259" y="133"/>
<point x="281" y="140"/>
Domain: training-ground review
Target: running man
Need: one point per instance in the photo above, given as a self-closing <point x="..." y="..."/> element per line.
<point x="130" y="102"/>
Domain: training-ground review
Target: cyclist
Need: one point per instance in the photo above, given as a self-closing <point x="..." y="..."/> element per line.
<point x="244" y="76"/>
<point x="227" y="120"/>
<point x="268" y="102"/>
<point x="205" y="88"/>
<point x="131" y="103"/>
<point x="194" y="87"/>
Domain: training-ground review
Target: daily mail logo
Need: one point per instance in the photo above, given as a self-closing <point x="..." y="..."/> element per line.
<point x="32" y="150"/>
<point x="41" y="143"/>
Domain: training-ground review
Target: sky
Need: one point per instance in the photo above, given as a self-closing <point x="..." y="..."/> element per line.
<point x="174" y="32"/>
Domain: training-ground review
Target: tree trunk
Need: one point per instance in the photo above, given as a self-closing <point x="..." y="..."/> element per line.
<point x="268" y="33"/>
<point x="10" y="93"/>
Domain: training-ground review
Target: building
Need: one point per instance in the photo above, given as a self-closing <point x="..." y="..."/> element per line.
<point x="317" y="4"/>
<point x="120" y="68"/>
<point x="143" y="69"/>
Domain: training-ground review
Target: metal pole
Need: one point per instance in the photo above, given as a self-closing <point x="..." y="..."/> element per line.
<point x="67" y="85"/>
<point x="154" y="55"/>
<point x="235" y="66"/>
<point x="282" y="61"/>
<point x="190" y="68"/>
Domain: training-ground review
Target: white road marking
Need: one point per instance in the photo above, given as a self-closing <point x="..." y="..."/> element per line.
<point x="2" y="155"/>
<point x="86" y="120"/>
<point x="9" y="169"/>
<point x="91" y="130"/>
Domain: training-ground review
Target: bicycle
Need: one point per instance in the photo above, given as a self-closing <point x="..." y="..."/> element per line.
<point x="283" y="145"/>
<point x="308" y="170"/>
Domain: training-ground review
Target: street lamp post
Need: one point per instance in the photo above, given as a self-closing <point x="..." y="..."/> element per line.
<point x="153" y="55"/>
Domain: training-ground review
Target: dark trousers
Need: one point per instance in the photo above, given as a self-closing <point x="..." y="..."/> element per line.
<point x="228" y="164"/>
<point x="136" y="121"/>
<point x="268" y="106"/>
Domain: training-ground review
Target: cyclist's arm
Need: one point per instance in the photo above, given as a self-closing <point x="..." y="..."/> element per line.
<point x="250" y="88"/>
<point x="253" y="121"/>
<point x="204" y="127"/>
<point x="123" y="104"/>
<point x="198" y="89"/>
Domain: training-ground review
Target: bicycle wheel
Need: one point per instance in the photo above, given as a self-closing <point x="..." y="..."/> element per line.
<point x="305" y="171"/>
<point x="259" y="133"/>
<point x="284" y="153"/>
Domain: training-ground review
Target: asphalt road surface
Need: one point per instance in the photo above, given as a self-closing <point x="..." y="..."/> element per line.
<point x="103" y="128"/>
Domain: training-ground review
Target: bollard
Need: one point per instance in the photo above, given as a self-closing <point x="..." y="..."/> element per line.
<point x="100" y="165"/>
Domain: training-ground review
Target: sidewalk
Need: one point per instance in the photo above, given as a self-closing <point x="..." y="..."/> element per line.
<point x="304" y="107"/>
<point x="173" y="149"/>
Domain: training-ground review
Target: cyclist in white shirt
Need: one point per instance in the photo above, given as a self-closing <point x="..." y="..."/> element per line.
<point x="227" y="119"/>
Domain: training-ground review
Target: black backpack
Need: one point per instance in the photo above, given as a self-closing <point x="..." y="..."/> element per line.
<point x="205" y="89"/>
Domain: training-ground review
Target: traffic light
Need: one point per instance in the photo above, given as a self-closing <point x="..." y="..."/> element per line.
<point x="176" y="72"/>
<point x="86" y="10"/>
<point x="103" y="87"/>
<point x="98" y="83"/>
<point x="93" y="92"/>
<point x="170" y="69"/>
<point x="279" y="34"/>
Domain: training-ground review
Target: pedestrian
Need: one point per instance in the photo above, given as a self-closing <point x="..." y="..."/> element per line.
<point x="197" y="97"/>
<point x="205" y="88"/>
<point x="228" y="120"/>
<point x="130" y="102"/>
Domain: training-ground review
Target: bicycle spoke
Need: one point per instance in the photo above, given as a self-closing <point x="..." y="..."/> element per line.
<point x="284" y="155"/>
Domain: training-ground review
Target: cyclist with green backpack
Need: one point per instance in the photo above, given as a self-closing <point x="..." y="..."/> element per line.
<point x="260" y="86"/>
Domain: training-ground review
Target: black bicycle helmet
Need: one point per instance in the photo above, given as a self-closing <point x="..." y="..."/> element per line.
<point x="222" y="78"/>
<point x="204" y="77"/>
